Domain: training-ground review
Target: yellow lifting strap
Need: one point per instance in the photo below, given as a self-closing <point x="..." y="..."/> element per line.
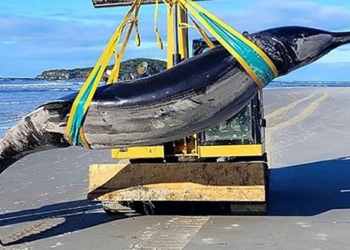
<point x="74" y="132"/>
<point x="113" y="78"/>
<point x="181" y="25"/>
<point x="254" y="61"/>
<point x="205" y="36"/>
<point x="251" y="57"/>
<point x="159" y="39"/>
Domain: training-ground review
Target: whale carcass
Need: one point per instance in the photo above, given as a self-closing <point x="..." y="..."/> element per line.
<point x="190" y="97"/>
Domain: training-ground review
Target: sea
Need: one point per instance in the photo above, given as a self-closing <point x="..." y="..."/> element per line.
<point x="19" y="96"/>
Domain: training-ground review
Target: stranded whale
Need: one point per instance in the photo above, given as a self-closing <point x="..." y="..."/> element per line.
<point x="190" y="97"/>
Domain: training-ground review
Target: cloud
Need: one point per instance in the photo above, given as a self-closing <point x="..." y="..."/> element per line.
<point x="9" y="42"/>
<point x="58" y="42"/>
<point x="256" y="15"/>
<point x="74" y="36"/>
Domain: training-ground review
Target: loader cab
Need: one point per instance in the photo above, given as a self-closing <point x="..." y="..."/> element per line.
<point x="239" y="138"/>
<point x="247" y="127"/>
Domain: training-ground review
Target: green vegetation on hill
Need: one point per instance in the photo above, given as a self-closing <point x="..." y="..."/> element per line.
<point x="128" y="70"/>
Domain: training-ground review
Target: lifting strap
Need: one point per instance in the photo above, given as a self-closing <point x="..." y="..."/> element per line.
<point x="133" y="22"/>
<point x="205" y="36"/>
<point x="251" y="57"/>
<point x="159" y="39"/>
<point x="74" y="132"/>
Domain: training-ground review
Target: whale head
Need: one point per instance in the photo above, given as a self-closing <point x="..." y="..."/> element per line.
<point x="293" y="47"/>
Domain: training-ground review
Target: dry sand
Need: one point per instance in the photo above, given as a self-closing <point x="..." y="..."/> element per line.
<point x="308" y="139"/>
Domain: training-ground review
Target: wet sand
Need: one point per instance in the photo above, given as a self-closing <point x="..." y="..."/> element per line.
<point x="308" y="137"/>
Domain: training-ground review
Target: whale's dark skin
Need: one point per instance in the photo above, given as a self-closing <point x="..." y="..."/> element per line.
<point x="194" y="95"/>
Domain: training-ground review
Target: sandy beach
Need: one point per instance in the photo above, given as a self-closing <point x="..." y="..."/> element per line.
<point x="307" y="136"/>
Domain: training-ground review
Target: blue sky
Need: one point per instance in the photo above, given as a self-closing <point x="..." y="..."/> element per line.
<point x="37" y="35"/>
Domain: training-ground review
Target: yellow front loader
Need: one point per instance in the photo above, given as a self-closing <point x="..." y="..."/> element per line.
<point x="225" y="165"/>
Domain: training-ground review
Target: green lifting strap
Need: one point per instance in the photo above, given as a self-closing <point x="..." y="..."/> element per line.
<point x="257" y="64"/>
<point x="79" y="114"/>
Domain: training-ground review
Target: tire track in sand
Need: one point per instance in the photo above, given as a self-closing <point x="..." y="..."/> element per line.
<point x="282" y="111"/>
<point x="293" y="120"/>
<point x="293" y="96"/>
<point x="173" y="234"/>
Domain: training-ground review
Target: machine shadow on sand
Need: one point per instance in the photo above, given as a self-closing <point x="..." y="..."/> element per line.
<point x="54" y="220"/>
<point x="301" y="190"/>
<point x="310" y="189"/>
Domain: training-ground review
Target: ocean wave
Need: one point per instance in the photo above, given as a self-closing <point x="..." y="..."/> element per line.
<point x="36" y="85"/>
<point x="11" y="119"/>
<point x="24" y="90"/>
<point x="309" y="84"/>
<point x="22" y="102"/>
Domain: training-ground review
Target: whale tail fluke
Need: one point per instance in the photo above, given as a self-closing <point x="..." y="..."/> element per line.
<point x="31" y="134"/>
